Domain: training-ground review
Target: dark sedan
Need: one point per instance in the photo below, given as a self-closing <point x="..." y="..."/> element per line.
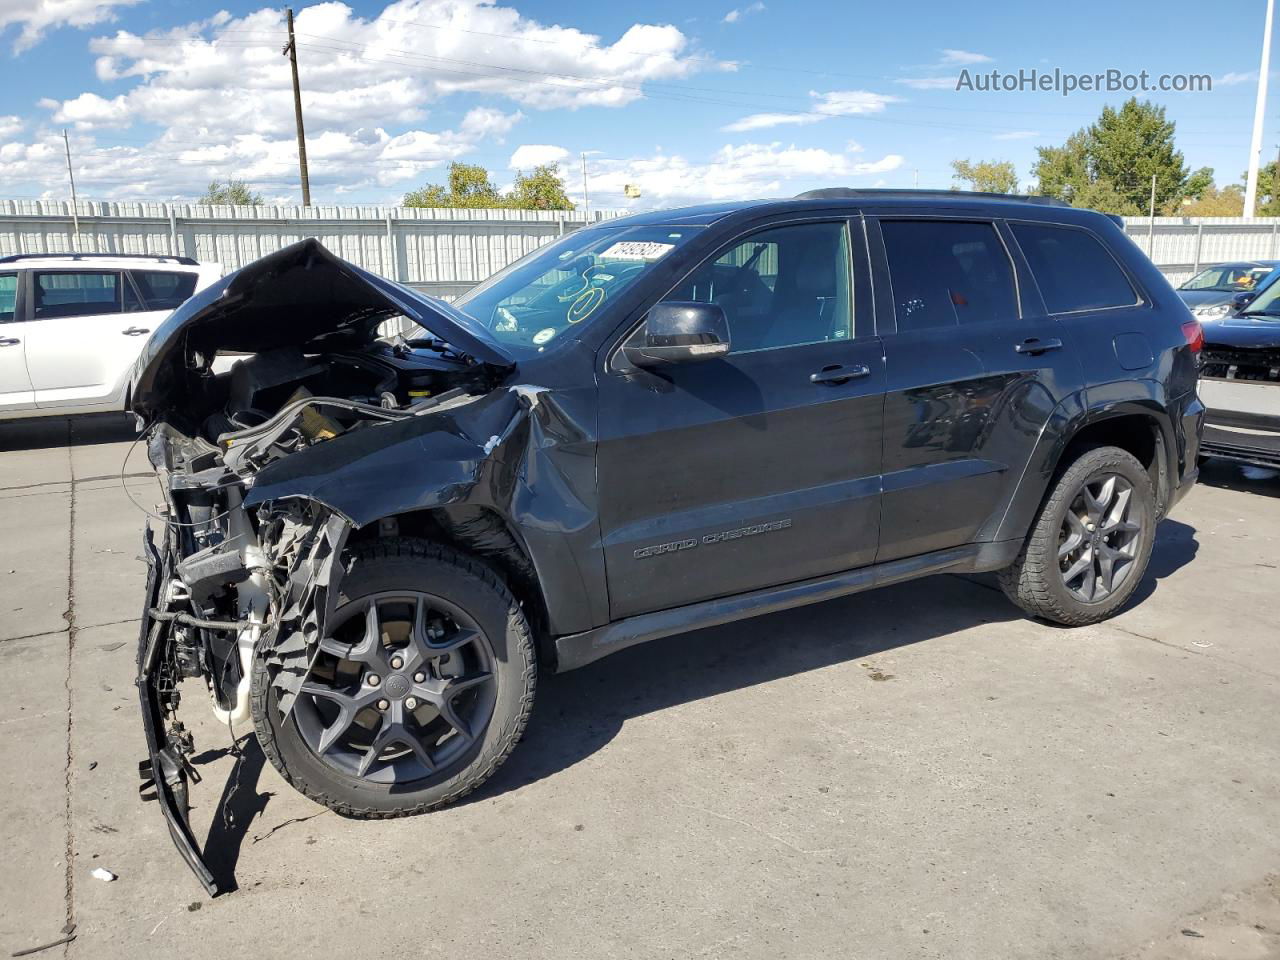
<point x="1211" y="294"/>
<point x="1240" y="382"/>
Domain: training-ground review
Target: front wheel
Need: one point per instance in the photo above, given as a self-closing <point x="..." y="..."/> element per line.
<point x="419" y="692"/>
<point x="1091" y="541"/>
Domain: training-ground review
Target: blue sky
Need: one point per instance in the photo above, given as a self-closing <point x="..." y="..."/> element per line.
<point x="689" y="101"/>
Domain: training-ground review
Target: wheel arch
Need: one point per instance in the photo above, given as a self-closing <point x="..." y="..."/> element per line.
<point x="1138" y="424"/>
<point x="482" y="532"/>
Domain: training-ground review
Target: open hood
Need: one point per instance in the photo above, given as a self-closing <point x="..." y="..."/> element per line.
<point x="300" y="296"/>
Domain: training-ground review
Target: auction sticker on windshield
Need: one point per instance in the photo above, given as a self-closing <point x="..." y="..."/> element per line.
<point x="637" y="250"/>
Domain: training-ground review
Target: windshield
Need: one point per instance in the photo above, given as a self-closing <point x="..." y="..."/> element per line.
<point x="532" y="303"/>
<point x="1230" y="278"/>
<point x="1266" y="304"/>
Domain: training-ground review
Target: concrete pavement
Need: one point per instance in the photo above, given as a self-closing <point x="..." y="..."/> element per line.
<point x="913" y="772"/>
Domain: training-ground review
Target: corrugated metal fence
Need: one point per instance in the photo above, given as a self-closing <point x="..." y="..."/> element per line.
<point x="442" y="251"/>
<point x="445" y="251"/>
<point x="1181" y="246"/>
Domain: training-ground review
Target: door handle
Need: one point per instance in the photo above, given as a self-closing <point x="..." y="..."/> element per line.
<point x="837" y="373"/>
<point x="1033" y="345"/>
<point x="135" y="331"/>
<point x="9" y="341"/>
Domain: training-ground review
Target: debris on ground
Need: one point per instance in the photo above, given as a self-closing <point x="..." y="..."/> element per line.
<point x="98" y="873"/>
<point x="44" y="946"/>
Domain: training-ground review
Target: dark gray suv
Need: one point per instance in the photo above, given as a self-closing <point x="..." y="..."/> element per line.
<point x="372" y="544"/>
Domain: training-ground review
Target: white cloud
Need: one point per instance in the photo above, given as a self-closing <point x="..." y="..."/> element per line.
<point x="89" y="111"/>
<point x="745" y="170"/>
<point x="929" y="83"/>
<point x="1017" y="135"/>
<point x="934" y="76"/>
<point x="35" y="17"/>
<point x="218" y="89"/>
<point x="762" y="121"/>
<point x="530" y="155"/>
<point x="736" y="14"/>
<point x="847" y="103"/>
<point x="959" y="58"/>
<point x="10" y="126"/>
<point x="834" y="103"/>
<point x="1234" y="79"/>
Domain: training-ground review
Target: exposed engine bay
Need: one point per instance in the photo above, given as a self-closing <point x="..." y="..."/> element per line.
<point x="247" y="564"/>
<point x="236" y="566"/>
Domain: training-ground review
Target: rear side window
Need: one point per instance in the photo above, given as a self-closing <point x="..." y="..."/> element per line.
<point x="8" y="295"/>
<point x="75" y="294"/>
<point x="948" y="272"/>
<point x="164" y="289"/>
<point x="1073" y="269"/>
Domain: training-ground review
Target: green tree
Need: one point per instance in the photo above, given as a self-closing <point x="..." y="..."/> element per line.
<point x="541" y="190"/>
<point x="986" y="176"/>
<point x="1214" y="202"/>
<point x="470" y="186"/>
<point x="234" y="192"/>
<point x="1199" y="183"/>
<point x="1133" y="144"/>
<point x="1268" y="204"/>
<point x="1065" y="169"/>
<point x="1112" y="161"/>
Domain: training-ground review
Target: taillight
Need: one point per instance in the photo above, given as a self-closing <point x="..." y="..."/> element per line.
<point x="1194" y="334"/>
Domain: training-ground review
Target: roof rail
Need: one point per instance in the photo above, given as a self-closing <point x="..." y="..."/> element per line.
<point x="163" y="257"/>
<point x="851" y="193"/>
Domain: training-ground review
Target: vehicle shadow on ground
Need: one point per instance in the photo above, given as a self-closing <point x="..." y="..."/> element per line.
<point x="240" y="804"/>
<point x="40" y="433"/>
<point x="579" y="713"/>
<point x="1226" y="475"/>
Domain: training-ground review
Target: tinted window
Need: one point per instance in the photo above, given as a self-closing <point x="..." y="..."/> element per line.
<point x="8" y="295"/>
<point x="1073" y="270"/>
<point x="780" y="287"/>
<point x="948" y="272"/>
<point x="164" y="289"/>
<point x="76" y="294"/>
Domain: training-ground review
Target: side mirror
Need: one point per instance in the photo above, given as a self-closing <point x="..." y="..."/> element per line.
<point x="1243" y="299"/>
<point x="678" y="332"/>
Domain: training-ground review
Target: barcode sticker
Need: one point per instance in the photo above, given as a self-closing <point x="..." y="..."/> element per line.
<point x="637" y="250"/>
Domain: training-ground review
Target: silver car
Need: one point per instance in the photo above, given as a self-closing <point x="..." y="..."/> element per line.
<point x="1218" y="290"/>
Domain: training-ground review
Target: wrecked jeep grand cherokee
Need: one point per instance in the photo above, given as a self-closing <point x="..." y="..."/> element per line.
<point x="371" y="544"/>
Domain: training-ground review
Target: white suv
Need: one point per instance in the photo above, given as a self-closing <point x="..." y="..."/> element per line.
<point x="72" y="325"/>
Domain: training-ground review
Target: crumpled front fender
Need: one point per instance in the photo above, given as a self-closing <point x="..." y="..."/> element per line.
<point x="514" y="451"/>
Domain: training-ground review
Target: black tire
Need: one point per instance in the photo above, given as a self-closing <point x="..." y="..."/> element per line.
<point x="402" y="564"/>
<point x="1036" y="580"/>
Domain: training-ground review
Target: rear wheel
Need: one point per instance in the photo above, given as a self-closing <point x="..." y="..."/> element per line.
<point x="419" y="692"/>
<point x="1091" y="541"/>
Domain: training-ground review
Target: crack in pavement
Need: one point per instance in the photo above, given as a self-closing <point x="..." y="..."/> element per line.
<point x="72" y="628"/>
<point x="74" y="480"/>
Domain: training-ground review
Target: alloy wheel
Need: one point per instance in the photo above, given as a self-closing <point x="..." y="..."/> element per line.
<point x="1099" y="538"/>
<point x="401" y="688"/>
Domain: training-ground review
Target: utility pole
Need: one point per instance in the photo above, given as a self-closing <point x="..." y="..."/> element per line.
<point x="1151" y="221"/>
<point x="1259" y="111"/>
<point x="75" y="206"/>
<point x="291" y="50"/>
<point x="586" y="201"/>
<point x="917" y="179"/>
